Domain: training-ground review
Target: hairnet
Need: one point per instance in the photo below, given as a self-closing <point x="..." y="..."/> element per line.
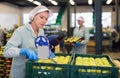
<point x="37" y="10"/>
<point x="81" y="18"/>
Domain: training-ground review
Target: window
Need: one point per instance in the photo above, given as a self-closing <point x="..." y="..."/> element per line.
<point x="52" y="20"/>
<point x="25" y="18"/>
<point x="106" y="19"/>
<point x="88" y="16"/>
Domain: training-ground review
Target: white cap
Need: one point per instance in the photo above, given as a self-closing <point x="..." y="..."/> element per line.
<point x="81" y="18"/>
<point x="37" y="10"/>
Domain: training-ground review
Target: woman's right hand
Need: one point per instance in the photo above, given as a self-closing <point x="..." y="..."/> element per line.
<point x="30" y="54"/>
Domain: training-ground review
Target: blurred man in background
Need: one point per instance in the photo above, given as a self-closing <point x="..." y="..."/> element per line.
<point x="57" y="39"/>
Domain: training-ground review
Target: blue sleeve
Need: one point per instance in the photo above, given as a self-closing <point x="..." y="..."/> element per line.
<point x="62" y="45"/>
<point x="52" y="40"/>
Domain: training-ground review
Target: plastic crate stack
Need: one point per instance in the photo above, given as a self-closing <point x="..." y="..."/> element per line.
<point x="2" y="66"/>
<point x="7" y="61"/>
<point x="5" y="64"/>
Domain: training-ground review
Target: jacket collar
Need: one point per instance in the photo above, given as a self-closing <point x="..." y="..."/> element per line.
<point x="29" y="28"/>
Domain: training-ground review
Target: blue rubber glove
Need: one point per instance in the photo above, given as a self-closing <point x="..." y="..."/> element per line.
<point x="30" y="54"/>
<point x="52" y="55"/>
<point x="77" y="44"/>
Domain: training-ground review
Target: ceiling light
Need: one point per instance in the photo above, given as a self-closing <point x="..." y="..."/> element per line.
<point x="108" y="1"/>
<point x="54" y="2"/>
<point x="72" y="2"/>
<point x="49" y="0"/>
<point x="90" y="2"/>
<point x="30" y="0"/>
<point x="36" y="2"/>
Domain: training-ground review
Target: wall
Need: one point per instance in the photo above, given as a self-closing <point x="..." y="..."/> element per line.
<point x="8" y="15"/>
<point x="19" y="11"/>
<point x="80" y="9"/>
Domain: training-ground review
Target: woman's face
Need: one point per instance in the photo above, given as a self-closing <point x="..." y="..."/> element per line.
<point x="40" y="19"/>
<point x="80" y="22"/>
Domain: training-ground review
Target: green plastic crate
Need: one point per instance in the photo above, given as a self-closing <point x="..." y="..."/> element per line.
<point x="104" y="72"/>
<point x="47" y="70"/>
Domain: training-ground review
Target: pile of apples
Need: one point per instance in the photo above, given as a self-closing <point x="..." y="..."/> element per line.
<point x="58" y="59"/>
<point x="90" y="61"/>
<point x="72" y="40"/>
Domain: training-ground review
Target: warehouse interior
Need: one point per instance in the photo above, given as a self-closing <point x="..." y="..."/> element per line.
<point x="99" y="15"/>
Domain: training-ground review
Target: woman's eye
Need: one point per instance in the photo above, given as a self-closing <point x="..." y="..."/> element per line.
<point x="41" y="17"/>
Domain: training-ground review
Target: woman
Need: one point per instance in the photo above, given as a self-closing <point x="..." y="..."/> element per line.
<point x="82" y="33"/>
<point x="21" y="45"/>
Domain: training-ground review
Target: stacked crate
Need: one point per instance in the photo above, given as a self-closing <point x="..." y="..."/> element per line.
<point x="2" y="66"/>
<point x="5" y="63"/>
<point x="8" y="62"/>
